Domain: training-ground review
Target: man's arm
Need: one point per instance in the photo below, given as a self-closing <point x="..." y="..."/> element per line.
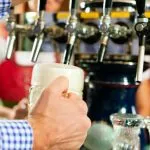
<point x="56" y="122"/>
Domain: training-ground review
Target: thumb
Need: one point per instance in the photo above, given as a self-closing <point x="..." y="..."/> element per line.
<point x="59" y="85"/>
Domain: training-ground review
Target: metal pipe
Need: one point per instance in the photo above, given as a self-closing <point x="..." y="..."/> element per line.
<point x="106" y="20"/>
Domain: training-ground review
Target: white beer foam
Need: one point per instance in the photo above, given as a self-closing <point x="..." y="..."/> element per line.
<point x="44" y="73"/>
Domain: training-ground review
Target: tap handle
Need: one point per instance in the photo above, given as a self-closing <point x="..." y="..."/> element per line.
<point x="36" y="47"/>
<point x="140" y="64"/>
<point x="73" y="6"/>
<point x="69" y="48"/>
<point x="68" y="54"/>
<point x="101" y="53"/>
<point x="10" y="45"/>
<point x="103" y="47"/>
<point x="42" y="5"/>
<point x="140" y="4"/>
<point x="107" y="5"/>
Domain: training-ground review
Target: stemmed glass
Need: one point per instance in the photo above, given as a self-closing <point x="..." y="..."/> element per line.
<point x="147" y="125"/>
<point x="127" y="129"/>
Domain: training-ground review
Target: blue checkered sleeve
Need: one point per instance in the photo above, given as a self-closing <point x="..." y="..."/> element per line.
<point x="15" y="135"/>
<point x="4" y="7"/>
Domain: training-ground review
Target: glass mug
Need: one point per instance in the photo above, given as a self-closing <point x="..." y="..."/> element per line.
<point x="127" y="129"/>
<point x="43" y="74"/>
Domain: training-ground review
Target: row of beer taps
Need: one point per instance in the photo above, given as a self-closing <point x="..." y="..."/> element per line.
<point x="76" y="29"/>
<point x="106" y="30"/>
<point x="142" y="29"/>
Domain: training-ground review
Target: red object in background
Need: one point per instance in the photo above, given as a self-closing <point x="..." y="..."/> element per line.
<point x="14" y="81"/>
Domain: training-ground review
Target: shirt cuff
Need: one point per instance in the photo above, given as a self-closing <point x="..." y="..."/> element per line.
<point x="15" y="135"/>
<point x="4" y="8"/>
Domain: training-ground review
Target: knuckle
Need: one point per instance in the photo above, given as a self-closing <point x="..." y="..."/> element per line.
<point x="84" y="106"/>
<point x="89" y="123"/>
<point x="86" y="124"/>
<point x="62" y="80"/>
<point x="74" y="96"/>
<point x="49" y="90"/>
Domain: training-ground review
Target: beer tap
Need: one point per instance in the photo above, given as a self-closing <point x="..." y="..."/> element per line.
<point x="38" y="31"/>
<point x="11" y="27"/>
<point x="72" y="31"/>
<point x="105" y="25"/>
<point x="140" y="27"/>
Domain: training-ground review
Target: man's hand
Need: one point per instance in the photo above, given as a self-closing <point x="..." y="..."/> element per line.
<point x="59" y="119"/>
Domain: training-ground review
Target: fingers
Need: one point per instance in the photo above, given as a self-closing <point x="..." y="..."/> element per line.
<point x="53" y="91"/>
<point x="78" y="100"/>
<point x="23" y="103"/>
<point x="59" y="85"/>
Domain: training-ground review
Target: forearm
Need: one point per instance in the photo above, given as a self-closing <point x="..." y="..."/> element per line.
<point x="41" y="140"/>
<point x="16" y="2"/>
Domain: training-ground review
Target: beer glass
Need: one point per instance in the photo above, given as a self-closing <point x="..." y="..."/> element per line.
<point x="127" y="129"/>
<point x="147" y="123"/>
<point x="44" y="73"/>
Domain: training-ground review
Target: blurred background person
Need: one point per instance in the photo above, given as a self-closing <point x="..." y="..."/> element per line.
<point x="13" y="91"/>
<point x="15" y="74"/>
<point x="143" y="95"/>
<point x="143" y="98"/>
<point x="52" y="6"/>
<point x="58" y="5"/>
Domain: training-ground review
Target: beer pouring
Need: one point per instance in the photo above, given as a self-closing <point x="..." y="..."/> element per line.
<point x="39" y="32"/>
<point x="140" y="27"/>
<point x="105" y="25"/>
